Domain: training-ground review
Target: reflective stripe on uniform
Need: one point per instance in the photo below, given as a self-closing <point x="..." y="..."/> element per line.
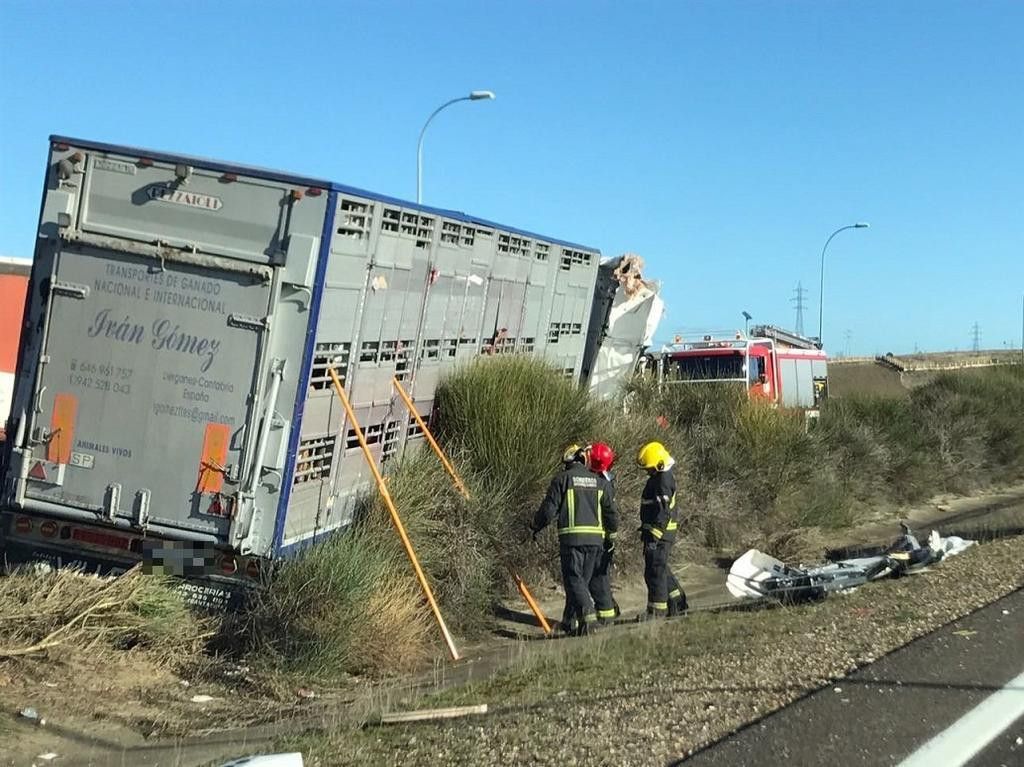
<point x="670" y="500"/>
<point x="652" y="530"/>
<point x="675" y="594"/>
<point x="591" y="617"/>
<point x="606" y="613"/>
<point x="672" y="525"/>
<point x="657" y="606"/>
<point x="573" y="528"/>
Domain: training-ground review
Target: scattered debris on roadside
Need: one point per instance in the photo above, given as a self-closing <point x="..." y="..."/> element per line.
<point x="32" y="715"/>
<point x="756" y="574"/>
<point x="430" y="714"/>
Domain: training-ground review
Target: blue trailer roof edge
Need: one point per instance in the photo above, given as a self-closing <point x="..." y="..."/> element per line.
<point x="288" y="178"/>
<point x="458" y="216"/>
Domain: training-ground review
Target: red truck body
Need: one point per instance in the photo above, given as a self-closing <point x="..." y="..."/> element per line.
<point x="13" y="285"/>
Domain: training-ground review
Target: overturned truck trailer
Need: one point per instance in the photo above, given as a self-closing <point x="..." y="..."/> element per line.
<point x="172" y="400"/>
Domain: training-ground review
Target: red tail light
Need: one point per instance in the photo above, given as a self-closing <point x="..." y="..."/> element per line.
<point x="228" y="565"/>
<point x="23" y="525"/>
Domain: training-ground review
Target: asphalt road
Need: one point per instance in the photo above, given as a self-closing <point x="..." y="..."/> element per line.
<point x="886" y="713"/>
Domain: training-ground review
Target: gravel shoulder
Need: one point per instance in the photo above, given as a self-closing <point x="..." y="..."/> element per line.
<point x="648" y="694"/>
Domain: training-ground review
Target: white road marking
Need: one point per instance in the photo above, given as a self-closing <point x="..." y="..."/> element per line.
<point x="969" y="734"/>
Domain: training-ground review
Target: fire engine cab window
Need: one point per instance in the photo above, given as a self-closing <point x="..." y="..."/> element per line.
<point x="713" y="367"/>
<point x="756" y="368"/>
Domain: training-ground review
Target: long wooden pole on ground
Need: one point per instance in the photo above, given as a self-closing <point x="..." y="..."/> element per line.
<point x="520" y="583"/>
<point x="382" y="487"/>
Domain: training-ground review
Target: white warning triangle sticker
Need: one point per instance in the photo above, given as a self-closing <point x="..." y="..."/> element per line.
<point x="38" y="471"/>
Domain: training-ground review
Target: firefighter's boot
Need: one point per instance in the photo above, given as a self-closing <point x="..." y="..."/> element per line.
<point x="677" y="604"/>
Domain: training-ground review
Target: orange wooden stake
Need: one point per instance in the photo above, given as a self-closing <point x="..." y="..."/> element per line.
<point x="383" y="488"/>
<point x="430" y="438"/>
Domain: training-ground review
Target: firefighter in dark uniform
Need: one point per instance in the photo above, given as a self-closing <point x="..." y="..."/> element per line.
<point x="585" y="513"/>
<point x="659" y="523"/>
<point x="601" y="459"/>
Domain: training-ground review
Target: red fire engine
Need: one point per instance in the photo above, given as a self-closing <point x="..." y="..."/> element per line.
<point x="778" y="366"/>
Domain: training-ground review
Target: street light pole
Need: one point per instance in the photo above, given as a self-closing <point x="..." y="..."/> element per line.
<point x="473" y="96"/>
<point x="746" y="319"/>
<point x="821" y="288"/>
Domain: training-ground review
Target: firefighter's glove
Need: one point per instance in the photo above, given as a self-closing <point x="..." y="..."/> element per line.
<point x="534" y="533"/>
<point x="650" y="547"/>
<point x="609" y="546"/>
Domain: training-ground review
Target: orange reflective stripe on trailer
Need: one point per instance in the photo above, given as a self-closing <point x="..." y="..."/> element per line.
<point x="214" y="458"/>
<point x="62" y="428"/>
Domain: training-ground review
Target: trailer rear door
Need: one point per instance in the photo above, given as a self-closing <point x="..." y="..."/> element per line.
<point x="149" y="378"/>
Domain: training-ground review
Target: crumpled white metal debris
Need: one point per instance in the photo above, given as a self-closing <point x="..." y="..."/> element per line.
<point x="756" y="574"/>
<point x="951" y="546"/>
<point x="632" y="321"/>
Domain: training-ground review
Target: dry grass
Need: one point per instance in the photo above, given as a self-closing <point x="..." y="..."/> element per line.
<point x="348" y="605"/>
<point x="40" y="611"/>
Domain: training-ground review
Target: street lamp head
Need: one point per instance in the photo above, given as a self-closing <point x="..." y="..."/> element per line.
<point x="473" y="96"/>
<point x="861" y="225"/>
<point x="747" y="316"/>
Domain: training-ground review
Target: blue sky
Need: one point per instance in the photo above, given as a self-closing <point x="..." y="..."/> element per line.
<point x="723" y="141"/>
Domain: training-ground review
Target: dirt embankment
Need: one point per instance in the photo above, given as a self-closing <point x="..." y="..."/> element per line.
<point x="868" y="377"/>
<point x="849" y="378"/>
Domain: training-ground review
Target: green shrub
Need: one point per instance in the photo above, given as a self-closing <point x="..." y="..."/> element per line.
<point x="343" y="606"/>
<point x="510" y="418"/>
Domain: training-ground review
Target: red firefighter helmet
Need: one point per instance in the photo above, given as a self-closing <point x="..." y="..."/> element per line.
<point x="601" y="457"/>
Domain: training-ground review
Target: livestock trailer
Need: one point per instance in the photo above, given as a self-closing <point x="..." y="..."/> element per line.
<point x="172" y="401"/>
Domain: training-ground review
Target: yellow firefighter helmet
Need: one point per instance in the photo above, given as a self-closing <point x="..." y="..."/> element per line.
<point x="574" y="453"/>
<point x="653" y="455"/>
